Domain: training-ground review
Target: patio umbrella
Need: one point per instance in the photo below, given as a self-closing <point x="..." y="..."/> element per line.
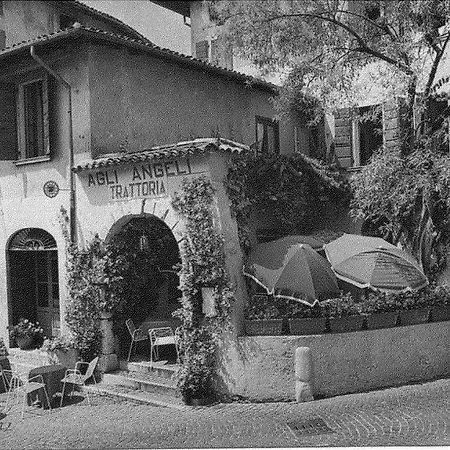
<point x="380" y="269"/>
<point x="292" y="271"/>
<point x="351" y="244"/>
<point x="286" y="241"/>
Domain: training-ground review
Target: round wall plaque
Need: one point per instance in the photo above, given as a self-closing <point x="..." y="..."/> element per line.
<point x="51" y="189"/>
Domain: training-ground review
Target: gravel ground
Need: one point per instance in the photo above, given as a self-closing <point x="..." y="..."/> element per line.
<point x="409" y="415"/>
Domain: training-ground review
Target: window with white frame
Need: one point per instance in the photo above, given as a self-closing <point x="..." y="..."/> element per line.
<point x="33" y="119"/>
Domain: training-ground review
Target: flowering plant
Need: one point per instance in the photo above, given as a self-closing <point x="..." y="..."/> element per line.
<point x="3" y="349"/>
<point x="59" y="343"/>
<point x="341" y="306"/>
<point x="26" y="328"/>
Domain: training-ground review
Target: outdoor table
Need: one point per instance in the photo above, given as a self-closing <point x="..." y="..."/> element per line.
<point x="52" y="376"/>
<point x="4" y="364"/>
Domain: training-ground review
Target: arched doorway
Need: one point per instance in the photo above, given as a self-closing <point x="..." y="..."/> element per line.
<point x="152" y="251"/>
<point x="33" y="279"/>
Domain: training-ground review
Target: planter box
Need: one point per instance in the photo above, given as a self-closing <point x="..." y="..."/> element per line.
<point x="440" y="313"/>
<point x="345" y="324"/>
<point x="269" y="327"/>
<point x="414" y="316"/>
<point x="307" y="326"/>
<point x="198" y="401"/>
<point x="382" y="320"/>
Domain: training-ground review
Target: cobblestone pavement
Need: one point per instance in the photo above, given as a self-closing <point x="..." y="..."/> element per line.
<point x="409" y="415"/>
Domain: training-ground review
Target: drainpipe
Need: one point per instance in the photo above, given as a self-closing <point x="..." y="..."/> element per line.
<point x="72" y="215"/>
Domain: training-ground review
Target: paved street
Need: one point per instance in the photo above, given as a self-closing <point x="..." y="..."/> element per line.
<point x="410" y="415"/>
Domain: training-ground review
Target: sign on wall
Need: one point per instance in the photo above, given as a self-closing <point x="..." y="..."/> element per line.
<point x="141" y="180"/>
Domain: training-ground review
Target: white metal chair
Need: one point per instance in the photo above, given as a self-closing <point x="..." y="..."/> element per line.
<point x="20" y="386"/>
<point x="136" y="334"/>
<point x="161" y="336"/>
<point x="76" y="378"/>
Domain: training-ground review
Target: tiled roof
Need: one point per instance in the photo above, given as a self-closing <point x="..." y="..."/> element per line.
<point x="95" y="12"/>
<point x="179" y="150"/>
<point x="146" y="46"/>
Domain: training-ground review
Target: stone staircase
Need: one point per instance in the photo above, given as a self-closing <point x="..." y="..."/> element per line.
<point x="153" y="384"/>
<point x="136" y="380"/>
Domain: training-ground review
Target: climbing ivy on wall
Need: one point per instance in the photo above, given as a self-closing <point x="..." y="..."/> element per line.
<point x="203" y="265"/>
<point x="294" y="188"/>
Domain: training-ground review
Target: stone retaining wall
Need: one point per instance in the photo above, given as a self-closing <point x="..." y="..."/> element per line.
<point x="262" y="367"/>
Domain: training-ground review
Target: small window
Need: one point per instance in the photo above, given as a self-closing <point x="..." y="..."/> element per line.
<point x="66" y="21"/>
<point x="33" y="124"/>
<point x="267" y="135"/>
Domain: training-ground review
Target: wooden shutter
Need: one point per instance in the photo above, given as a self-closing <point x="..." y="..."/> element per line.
<point x="202" y="50"/>
<point x="392" y="124"/>
<point x="8" y="126"/>
<point x="343" y="137"/>
<point x="2" y="39"/>
<point x="46" y="116"/>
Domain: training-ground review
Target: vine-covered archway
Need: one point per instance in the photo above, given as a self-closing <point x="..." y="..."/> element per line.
<point x="151" y="280"/>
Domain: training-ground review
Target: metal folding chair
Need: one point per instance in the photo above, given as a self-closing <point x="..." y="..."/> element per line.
<point x="76" y="378"/>
<point x="161" y="336"/>
<point x="136" y="334"/>
<point x="20" y="386"/>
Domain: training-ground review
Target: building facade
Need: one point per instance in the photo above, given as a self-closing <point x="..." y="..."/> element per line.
<point x="104" y="125"/>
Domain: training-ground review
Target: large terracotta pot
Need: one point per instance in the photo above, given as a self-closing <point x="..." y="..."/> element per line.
<point x="26" y="342"/>
<point x="68" y="358"/>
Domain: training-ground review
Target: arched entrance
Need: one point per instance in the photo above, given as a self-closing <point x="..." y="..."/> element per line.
<point x="33" y="279"/>
<point x="152" y="251"/>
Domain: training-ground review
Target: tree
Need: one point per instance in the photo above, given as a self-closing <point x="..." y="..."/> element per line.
<point x="323" y="48"/>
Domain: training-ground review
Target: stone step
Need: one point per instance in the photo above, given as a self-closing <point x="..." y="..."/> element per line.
<point x="160" y="369"/>
<point x="143" y="381"/>
<point x="128" y="393"/>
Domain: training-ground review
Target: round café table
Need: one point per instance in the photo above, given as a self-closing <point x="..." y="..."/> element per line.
<point x="52" y="376"/>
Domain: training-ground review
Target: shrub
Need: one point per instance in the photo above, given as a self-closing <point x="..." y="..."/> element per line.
<point x="414" y="299"/>
<point x="59" y="343"/>
<point x="262" y="307"/>
<point x="26" y="328"/>
<point x="379" y="302"/>
<point x="297" y="310"/>
<point x="344" y="305"/>
<point x="440" y="295"/>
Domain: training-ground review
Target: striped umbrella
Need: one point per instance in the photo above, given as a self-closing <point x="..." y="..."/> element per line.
<point x="291" y="271"/>
<point x="380" y="269"/>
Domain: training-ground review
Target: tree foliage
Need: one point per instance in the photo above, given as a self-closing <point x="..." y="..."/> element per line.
<point x="344" y="52"/>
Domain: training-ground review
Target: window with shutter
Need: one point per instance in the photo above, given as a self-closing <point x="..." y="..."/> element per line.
<point x="267" y="135"/>
<point x="2" y="39"/>
<point x="8" y="124"/>
<point x="33" y="120"/>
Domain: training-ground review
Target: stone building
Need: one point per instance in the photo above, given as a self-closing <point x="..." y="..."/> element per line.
<point x="100" y="122"/>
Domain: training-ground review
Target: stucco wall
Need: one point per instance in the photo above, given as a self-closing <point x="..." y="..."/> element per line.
<point x="262" y="368"/>
<point x="139" y="101"/>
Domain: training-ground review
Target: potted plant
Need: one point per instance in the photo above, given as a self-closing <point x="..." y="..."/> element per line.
<point x="304" y="319"/>
<point x="343" y="313"/>
<point x="26" y="334"/>
<point x="380" y="309"/>
<point x="414" y="307"/>
<point x="440" y="303"/>
<point x="61" y="350"/>
<point x="263" y="318"/>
